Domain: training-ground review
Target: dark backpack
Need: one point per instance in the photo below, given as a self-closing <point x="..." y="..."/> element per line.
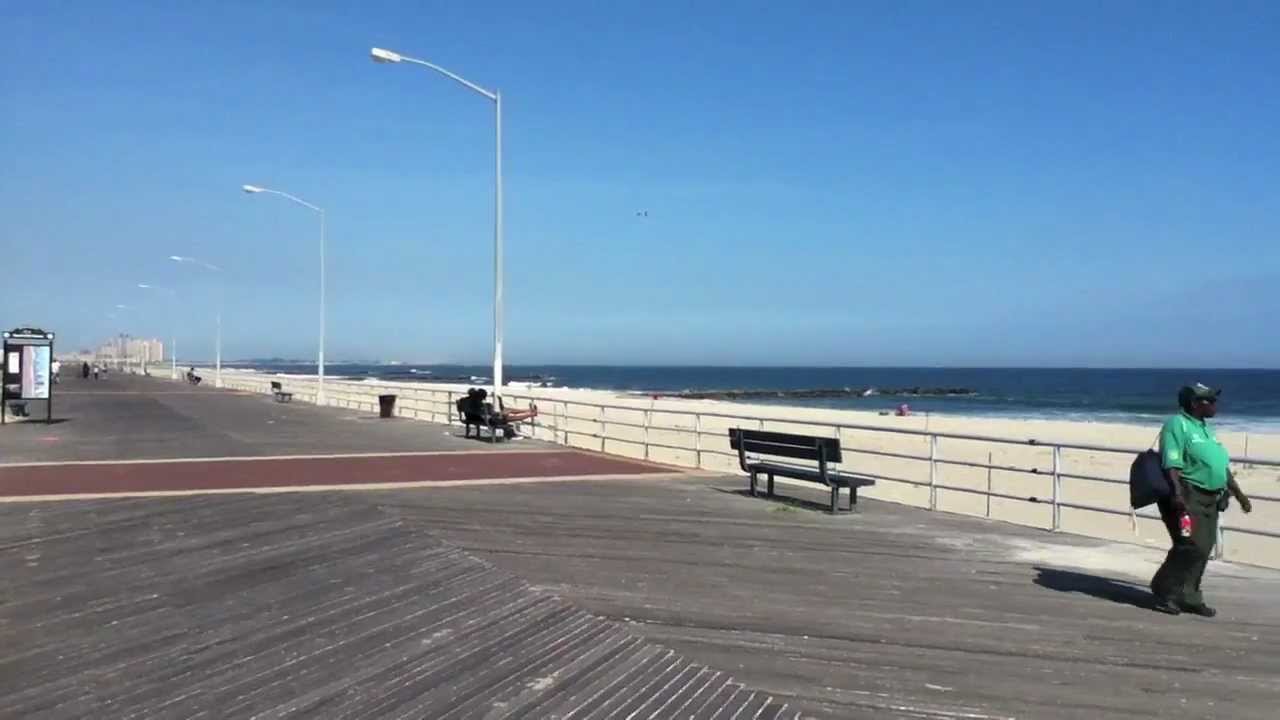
<point x="1147" y="483"/>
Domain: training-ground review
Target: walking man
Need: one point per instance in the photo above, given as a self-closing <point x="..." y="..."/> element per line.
<point x="1196" y="467"/>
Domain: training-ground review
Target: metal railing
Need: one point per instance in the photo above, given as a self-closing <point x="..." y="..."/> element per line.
<point x="557" y="421"/>
<point x="935" y="460"/>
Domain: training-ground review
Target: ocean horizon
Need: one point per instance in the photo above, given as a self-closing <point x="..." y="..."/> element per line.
<point x="1250" y="400"/>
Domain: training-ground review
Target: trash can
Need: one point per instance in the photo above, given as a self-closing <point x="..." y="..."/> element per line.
<point x="386" y="405"/>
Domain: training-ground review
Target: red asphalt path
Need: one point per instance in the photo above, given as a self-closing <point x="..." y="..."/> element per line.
<point x="245" y="474"/>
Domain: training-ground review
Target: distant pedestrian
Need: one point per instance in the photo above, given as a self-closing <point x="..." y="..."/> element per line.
<point x="84" y="370"/>
<point x="96" y="370"/>
<point x="1196" y="465"/>
<point x="57" y="371"/>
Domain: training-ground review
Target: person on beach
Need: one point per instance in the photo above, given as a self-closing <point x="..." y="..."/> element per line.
<point x="84" y="370"/>
<point x="1196" y="465"/>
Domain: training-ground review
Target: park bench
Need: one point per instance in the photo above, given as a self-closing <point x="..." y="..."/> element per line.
<point x="277" y="392"/>
<point x="757" y="447"/>
<point x="475" y="413"/>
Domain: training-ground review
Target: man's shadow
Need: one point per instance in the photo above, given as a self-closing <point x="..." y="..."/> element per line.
<point x="1117" y="591"/>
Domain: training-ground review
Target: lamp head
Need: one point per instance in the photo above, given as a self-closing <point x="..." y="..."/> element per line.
<point x="384" y="56"/>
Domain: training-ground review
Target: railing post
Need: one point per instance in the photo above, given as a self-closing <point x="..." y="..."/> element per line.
<point x="990" y="461"/>
<point x="448" y="403"/>
<point x="1057" y="487"/>
<point x="646" y="433"/>
<point x="697" y="441"/>
<point x="556" y="418"/>
<point x="933" y="472"/>
<point x="602" y="429"/>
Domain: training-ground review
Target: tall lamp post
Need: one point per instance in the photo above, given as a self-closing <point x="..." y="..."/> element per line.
<point x="173" y="337"/>
<point x="254" y="189"/>
<point x="386" y="56"/>
<point x="121" y="365"/>
<point x="217" y="371"/>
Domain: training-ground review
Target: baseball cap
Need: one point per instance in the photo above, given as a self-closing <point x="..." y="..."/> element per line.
<point x="1198" y="391"/>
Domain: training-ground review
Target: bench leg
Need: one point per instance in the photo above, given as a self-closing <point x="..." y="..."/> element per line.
<point x="835" y="499"/>
<point x="753" y="484"/>
<point x="853" y="496"/>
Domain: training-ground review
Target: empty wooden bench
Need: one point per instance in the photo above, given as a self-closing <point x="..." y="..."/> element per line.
<point x="756" y="449"/>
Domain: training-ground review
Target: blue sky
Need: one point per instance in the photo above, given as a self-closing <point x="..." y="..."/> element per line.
<point x="917" y="183"/>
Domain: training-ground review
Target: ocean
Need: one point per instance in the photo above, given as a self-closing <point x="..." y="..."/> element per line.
<point x="1250" y="399"/>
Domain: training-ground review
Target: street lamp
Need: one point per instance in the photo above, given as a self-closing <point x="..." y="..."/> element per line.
<point x="254" y="189"/>
<point x="121" y="364"/>
<point x="173" y="337"/>
<point x="217" y="370"/>
<point x="380" y="55"/>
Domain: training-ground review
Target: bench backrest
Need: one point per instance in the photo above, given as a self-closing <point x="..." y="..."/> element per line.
<point x="276" y="386"/>
<point x="471" y="409"/>
<point x="803" y="447"/>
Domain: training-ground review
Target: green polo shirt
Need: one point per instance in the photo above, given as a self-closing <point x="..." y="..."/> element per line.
<point x="1189" y="445"/>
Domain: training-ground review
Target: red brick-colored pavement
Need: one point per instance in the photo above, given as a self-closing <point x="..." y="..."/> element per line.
<point x="73" y="479"/>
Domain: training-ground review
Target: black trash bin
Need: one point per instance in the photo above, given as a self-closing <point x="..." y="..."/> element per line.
<point x="386" y="405"/>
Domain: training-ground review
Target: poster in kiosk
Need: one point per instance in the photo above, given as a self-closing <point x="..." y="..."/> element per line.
<point x="28" y="370"/>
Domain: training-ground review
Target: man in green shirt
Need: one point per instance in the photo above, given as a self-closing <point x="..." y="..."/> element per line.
<point x="1197" y="468"/>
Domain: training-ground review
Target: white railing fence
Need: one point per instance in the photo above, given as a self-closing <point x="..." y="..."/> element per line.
<point x="1058" y="486"/>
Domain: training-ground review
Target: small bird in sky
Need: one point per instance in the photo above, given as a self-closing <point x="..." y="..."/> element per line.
<point x="642" y="213"/>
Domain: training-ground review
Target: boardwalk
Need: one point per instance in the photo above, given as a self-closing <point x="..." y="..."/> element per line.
<point x="599" y="588"/>
<point x="307" y="605"/>
<point x="894" y="612"/>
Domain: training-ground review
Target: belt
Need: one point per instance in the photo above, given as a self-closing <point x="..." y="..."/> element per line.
<point x="1202" y="491"/>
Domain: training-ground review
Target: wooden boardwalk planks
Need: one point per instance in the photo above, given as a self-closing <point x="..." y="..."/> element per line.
<point x="318" y="605"/>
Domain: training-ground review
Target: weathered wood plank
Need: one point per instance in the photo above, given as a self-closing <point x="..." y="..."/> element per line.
<point x="320" y="605"/>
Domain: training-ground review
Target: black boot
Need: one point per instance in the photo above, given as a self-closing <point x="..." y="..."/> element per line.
<point x="1167" y="606"/>
<point x="1202" y="610"/>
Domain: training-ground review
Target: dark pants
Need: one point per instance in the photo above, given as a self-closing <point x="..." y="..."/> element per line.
<point x="1179" y="577"/>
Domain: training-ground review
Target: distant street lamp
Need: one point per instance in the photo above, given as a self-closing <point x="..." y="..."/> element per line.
<point x="380" y="55"/>
<point x="217" y="371"/>
<point x="254" y="189"/>
<point x="173" y="337"/>
<point x="120" y="363"/>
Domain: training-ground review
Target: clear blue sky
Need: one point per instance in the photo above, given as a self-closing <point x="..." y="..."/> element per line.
<point x="835" y="183"/>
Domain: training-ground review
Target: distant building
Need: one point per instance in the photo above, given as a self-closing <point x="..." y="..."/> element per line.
<point x="126" y="349"/>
